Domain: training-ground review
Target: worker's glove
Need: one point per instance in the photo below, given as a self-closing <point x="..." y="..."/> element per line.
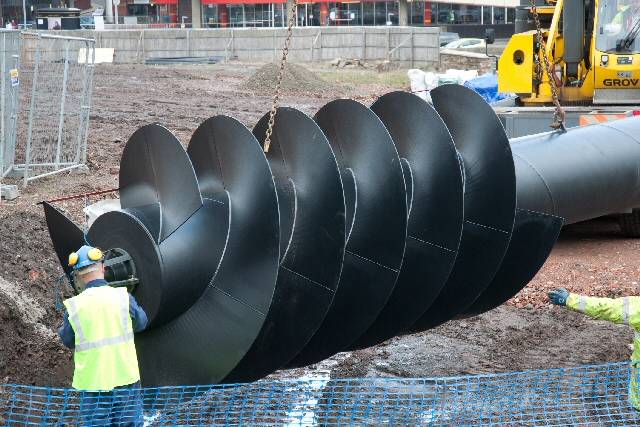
<point x="559" y="296"/>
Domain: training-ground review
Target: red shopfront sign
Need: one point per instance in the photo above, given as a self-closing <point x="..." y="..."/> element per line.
<point x="270" y="1"/>
<point x="162" y="2"/>
<point x="242" y="1"/>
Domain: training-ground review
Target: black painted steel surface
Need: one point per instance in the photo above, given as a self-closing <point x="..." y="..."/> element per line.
<point x="435" y="205"/>
<point x="156" y="173"/>
<point x="376" y="218"/>
<point x="584" y="173"/>
<point x="489" y="200"/>
<point x="360" y="226"/>
<point x="66" y="236"/>
<point x="206" y="342"/>
<point x="534" y="235"/>
<point x="312" y="241"/>
<point x="158" y="186"/>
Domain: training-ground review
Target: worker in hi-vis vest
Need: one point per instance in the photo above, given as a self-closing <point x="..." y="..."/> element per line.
<point x="99" y="324"/>
<point x="619" y="310"/>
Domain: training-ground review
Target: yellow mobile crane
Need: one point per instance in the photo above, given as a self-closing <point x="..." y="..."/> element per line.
<point x="591" y="47"/>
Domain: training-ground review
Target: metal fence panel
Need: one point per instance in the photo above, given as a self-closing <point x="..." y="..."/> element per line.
<point x="9" y="91"/>
<point x="56" y="78"/>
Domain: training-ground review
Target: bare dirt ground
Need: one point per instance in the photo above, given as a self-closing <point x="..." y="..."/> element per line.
<point x="525" y="334"/>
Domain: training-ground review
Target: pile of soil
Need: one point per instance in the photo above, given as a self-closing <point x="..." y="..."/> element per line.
<point x="30" y="356"/>
<point x="296" y="79"/>
<point x="30" y="351"/>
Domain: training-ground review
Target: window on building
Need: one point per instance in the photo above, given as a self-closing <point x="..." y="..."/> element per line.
<point x="210" y="15"/>
<point x="313" y="14"/>
<point x="416" y="16"/>
<point x="487" y="13"/>
<point x="368" y="13"/>
<point x="144" y="13"/>
<point x="257" y="15"/>
<point x="458" y="14"/>
<point x="446" y="14"/>
<point x="469" y="14"/>
<point x="380" y="13"/>
<point x="352" y="12"/>
<point x="498" y="15"/>
<point x="391" y="13"/>
<point x="235" y="15"/>
<point x="511" y="16"/>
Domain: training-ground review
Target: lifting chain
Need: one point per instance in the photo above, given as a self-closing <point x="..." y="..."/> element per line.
<point x="276" y="95"/>
<point x="559" y="114"/>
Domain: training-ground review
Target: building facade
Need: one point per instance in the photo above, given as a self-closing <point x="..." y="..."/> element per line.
<point x="270" y="13"/>
<point x="454" y="14"/>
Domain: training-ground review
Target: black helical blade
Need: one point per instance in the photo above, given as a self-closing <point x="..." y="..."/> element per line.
<point x="534" y="235"/>
<point x="156" y="168"/>
<point x="204" y="344"/>
<point x="124" y="230"/>
<point x="154" y="173"/>
<point x="376" y="218"/>
<point x="312" y="241"/>
<point x="489" y="200"/>
<point x="171" y="276"/>
<point x="435" y="199"/>
<point x="66" y="236"/>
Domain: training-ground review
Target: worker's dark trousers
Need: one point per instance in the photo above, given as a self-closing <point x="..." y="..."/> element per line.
<point x="121" y="407"/>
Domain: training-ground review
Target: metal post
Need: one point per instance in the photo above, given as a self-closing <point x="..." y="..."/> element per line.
<point x="233" y="43"/>
<point x="388" y="46"/>
<point x="89" y="97"/>
<point x="84" y="104"/>
<point x="13" y="123"/>
<point x="32" y="108"/>
<point x="24" y="14"/>
<point x="364" y="44"/>
<point x="412" y="46"/>
<point x="3" y="106"/>
<point x="62" y="102"/>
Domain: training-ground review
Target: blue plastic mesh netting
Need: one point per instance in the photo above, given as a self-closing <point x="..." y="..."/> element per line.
<point x="586" y="395"/>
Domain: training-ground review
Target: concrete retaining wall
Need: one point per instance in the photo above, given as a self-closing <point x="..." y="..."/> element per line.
<point x="407" y="46"/>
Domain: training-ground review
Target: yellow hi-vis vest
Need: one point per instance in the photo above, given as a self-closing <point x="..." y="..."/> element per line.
<point x="105" y="354"/>
<point x="621" y="311"/>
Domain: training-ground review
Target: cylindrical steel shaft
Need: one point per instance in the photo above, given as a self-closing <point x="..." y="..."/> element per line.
<point x="584" y="173"/>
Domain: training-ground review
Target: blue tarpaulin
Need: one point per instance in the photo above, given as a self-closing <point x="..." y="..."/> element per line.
<point x="487" y="87"/>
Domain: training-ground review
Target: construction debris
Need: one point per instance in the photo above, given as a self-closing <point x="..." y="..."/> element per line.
<point x="8" y="192"/>
<point x="183" y="60"/>
<point x="347" y="63"/>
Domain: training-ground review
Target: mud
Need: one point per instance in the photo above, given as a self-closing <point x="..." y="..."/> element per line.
<point x="525" y="334"/>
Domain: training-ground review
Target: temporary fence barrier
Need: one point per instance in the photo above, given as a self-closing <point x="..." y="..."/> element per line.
<point x="55" y="79"/>
<point x="587" y="395"/>
<point x="9" y="85"/>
